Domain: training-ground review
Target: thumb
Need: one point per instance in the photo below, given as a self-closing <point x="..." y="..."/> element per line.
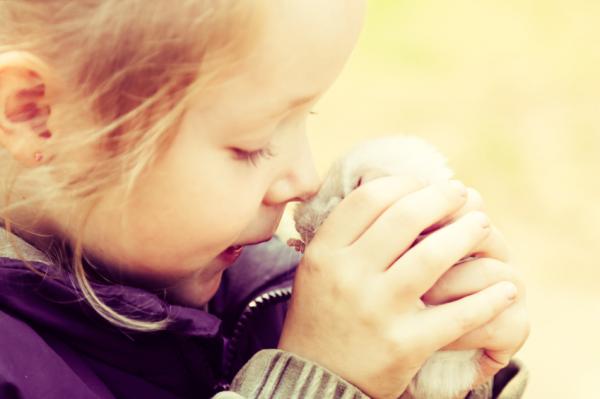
<point x="490" y="362"/>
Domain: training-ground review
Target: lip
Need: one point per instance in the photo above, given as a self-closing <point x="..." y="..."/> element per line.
<point x="270" y="232"/>
<point x="256" y="242"/>
<point x="231" y="254"/>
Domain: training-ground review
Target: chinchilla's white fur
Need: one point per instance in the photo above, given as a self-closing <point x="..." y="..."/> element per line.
<point x="446" y="374"/>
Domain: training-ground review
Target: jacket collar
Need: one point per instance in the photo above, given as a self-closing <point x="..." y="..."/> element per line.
<point x="49" y="295"/>
<point x="259" y="268"/>
<point x="47" y="301"/>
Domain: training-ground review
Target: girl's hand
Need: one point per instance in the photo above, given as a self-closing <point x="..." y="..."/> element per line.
<point x="356" y="307"/>
<point x="504" y="335"/>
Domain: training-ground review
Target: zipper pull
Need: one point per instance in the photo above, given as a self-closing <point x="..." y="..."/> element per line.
<point x="221" y="386"/>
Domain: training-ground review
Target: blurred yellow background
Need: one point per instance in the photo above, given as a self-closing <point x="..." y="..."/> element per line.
<point x="509" y="90"/>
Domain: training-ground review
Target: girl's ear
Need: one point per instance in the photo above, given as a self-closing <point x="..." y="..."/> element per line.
<point x="24" y="108"/>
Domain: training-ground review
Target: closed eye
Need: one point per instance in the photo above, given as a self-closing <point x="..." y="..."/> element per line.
<point x="253" y="157"/>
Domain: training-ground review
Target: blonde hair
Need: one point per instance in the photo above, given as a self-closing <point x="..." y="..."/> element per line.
<point x="129" y="66"/>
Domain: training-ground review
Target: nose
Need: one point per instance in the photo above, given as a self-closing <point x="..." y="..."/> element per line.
<point x="299" y="179"/>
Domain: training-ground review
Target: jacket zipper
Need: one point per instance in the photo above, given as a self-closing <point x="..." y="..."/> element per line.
<point x="272" y="297"/>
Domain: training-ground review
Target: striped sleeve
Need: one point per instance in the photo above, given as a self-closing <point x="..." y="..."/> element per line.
<point x="277" y="374"/>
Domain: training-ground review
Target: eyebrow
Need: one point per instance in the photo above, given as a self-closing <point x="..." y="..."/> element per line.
<point x="297" y="102"/>
<point x="292" y="104"/>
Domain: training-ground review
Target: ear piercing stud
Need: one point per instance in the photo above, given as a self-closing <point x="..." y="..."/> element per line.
<point x="45" y="135"/>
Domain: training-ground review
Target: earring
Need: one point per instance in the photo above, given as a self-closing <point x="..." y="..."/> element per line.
<point x="45" y="135"/>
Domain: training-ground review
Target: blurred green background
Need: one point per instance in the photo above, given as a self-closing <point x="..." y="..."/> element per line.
<point x="509" y="91"/>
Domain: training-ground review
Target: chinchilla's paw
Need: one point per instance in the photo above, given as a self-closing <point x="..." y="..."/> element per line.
<point x="297" y="244"/>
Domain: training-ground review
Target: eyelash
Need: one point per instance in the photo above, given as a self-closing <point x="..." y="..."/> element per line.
<point x="253" y="157"/>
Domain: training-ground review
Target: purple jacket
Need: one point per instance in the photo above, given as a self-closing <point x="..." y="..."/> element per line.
<point x="53" y="345"/>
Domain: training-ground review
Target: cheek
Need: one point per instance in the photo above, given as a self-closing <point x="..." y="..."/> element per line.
<point x="192" y="208"/>
<point x="188" y="222"/>
<point x="180" y="239"/>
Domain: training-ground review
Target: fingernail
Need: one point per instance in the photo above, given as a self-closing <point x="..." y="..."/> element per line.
<point x="509" y="289"/>
<point x="458" y="187"/>
<point x="482" y="219"/>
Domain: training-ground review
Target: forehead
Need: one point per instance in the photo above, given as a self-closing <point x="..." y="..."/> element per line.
<point x="302" y="47"/>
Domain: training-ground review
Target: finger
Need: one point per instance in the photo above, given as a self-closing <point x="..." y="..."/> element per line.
<point x="361" y="207"/>
<point x="446" y="323"/>
<point x="490" y="363"/>
<point x="469" y="277"/>
<point x="400" y="225"/>
<point x="508" y="331"/>
<point x="474" y="203"/>
<point x="493" y="246"/>
<point x="420" y="267"/>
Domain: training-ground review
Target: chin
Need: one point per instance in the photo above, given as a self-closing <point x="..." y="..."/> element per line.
<point x="194" y="293"/>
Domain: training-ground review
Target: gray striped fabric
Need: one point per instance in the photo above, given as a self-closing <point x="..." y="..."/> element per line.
<point x="276" y="374"/>
<point x="273" y="373"/>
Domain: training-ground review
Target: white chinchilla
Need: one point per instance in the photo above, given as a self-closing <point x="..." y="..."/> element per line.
<point x="446" y="373"/>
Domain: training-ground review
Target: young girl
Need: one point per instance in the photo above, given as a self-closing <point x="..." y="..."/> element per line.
<point x="149" y="150"/>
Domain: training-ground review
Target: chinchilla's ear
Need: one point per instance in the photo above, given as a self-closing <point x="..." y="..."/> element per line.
<point x="366" y="174"/>
<point x="393" y="156"/>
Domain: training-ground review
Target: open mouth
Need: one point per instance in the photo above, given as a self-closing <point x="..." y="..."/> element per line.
<point x="231" y="254"/>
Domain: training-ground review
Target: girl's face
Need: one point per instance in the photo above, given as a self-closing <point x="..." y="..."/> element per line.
<point x="241" y="154"/>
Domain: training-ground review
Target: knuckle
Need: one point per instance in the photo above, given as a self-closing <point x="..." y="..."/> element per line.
<point x="431" y="256"/>
<point x="466" y="321"/>
<point x="445" y="191"/>
<point x="312" y="252"/>
<point x="406" y="215"/>
<point x="345" y="281"/>
<point x="402" y="289"/>
<point x="410" y="216"/>
<point x="367" y="316"/>
<point x="368" y="196"/>
<point x="316" y="257"/>
<point x="401" y="343"/>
